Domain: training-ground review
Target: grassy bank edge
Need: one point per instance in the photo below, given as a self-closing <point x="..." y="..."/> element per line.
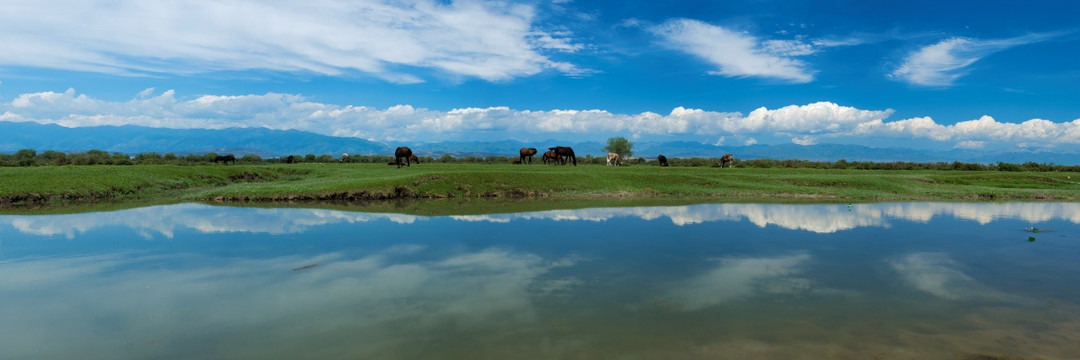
<point x="366" y="184"/>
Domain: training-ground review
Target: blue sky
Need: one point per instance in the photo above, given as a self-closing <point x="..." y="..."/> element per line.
<point x="993" y="75"/>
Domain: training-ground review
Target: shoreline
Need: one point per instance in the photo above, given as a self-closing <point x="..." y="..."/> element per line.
<point x="356" y="183"/>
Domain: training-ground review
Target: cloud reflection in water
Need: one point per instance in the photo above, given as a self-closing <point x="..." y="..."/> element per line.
<point x="382" y="299"/>
<point x="939" y="275"/>
<point x="129" y="301"/>
<point x="165" y="220"/>
<point x="735" y="278"/>
<point x="817" y="218"/>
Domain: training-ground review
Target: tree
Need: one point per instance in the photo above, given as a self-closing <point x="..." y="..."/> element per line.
<point x="25" y="157"/>
<point x="621" y="146"/>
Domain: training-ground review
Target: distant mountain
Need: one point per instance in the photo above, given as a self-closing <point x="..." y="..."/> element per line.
<point x="131" y="139"/>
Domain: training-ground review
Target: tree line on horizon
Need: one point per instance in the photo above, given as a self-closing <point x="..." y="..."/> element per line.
<point x="30" y="157"/>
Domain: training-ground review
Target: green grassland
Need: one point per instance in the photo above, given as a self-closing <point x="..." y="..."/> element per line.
<point x="351" y="183"/>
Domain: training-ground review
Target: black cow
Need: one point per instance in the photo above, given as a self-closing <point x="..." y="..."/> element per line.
<point x="225" y="159"/>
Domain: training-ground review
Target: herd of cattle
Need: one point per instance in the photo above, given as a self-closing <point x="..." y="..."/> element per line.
<point x="559" y="155"/>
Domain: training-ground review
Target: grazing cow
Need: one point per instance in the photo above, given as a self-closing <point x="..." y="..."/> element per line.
<point x="564" y="152"/>
<point x="225" y="159"/>
<point x="526" y="155"/>
<point x="344" y="157"/>
<point x="726" y="160"/>
<point x="404" y="153"/>
<point x="291" y="159"/>
<point x="613" y="159"/>
<point x="662" y="160"/>
<point x="550" y="155"/>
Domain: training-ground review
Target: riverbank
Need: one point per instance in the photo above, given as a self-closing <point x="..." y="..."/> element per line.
<point x="46" y="185"/>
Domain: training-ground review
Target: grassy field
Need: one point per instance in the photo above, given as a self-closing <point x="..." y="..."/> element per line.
<point x="47" y="185"/>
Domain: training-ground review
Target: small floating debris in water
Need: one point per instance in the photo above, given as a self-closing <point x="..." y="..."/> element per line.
<point x="1036" y="230"/>
<point x="1031" y="238"/>
<point x="305" y="267"/>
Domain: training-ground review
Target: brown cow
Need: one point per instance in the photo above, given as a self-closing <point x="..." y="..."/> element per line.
<point x="726" y="160"/>
<point x="526" y="155"/>
<point x="662" y="160"/>
<point x="344" y="157"/>
<point x="404" y="153"/>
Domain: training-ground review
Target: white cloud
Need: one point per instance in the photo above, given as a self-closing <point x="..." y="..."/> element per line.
<point x="819" y="117"/>
<point x="487" y="40"/>
<point x="788" y="47"/>
<point x="978" y="132"/>
<point x="940" y="64"/>
<point x="736" y="54"/>
<point x="969" y="144"/>
<point x="802" y="124"/>
<point x="804" y="140"/>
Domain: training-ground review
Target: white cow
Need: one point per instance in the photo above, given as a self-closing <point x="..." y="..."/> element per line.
<point x="613" y="159"/>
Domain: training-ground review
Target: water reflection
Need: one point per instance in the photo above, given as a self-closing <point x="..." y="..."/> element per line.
<point x="735" y="278"/>
<point x="904" y="280"/>
<point x="160" y="310"/>
<point x="164" y="220"/>
<point x="939" y="275"/>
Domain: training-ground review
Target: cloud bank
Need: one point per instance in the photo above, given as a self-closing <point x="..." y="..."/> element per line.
<point x="801" y="124"/>
<point x="392" y="40"/>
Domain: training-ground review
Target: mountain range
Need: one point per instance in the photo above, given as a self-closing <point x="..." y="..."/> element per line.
<point x="130" y="139"/>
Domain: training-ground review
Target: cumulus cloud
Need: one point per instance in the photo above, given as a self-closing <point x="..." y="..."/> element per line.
<point x="970" y="144"/>
<point x="736" y="54"/>
<point x="386" y="39"/>
<point x="940" y="64"/>
<point x="802" y="124"/>
<point x="979" y="132"/>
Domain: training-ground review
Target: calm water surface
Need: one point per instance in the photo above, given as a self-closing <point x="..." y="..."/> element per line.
<point x="714" y="281"/>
